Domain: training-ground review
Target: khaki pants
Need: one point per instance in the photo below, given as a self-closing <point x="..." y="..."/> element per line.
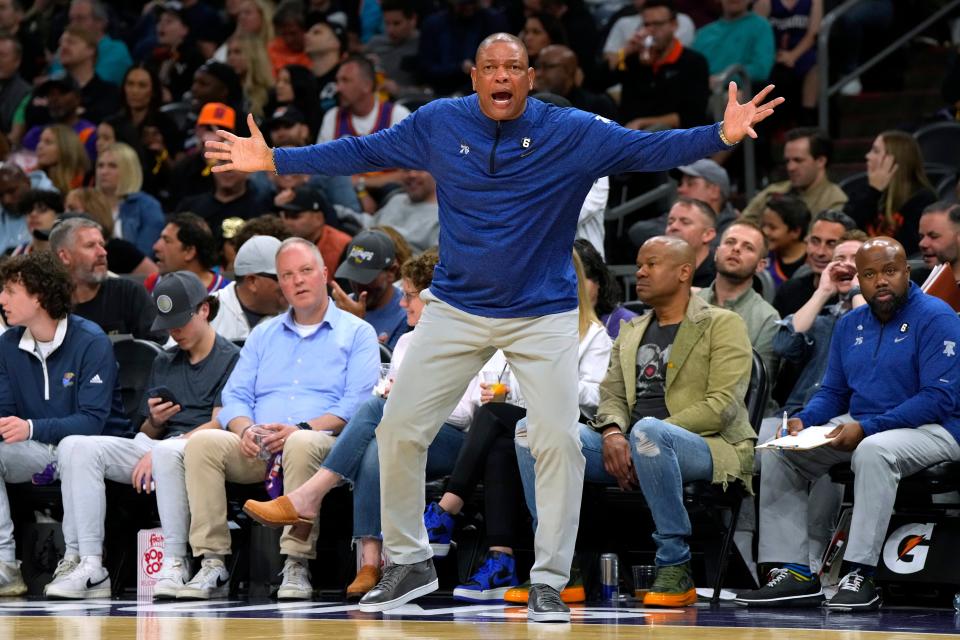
<point x="213" y="458"/>
<point x="447" y="349"/>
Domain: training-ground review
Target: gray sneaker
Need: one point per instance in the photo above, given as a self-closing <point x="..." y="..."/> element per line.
<point x="544" y="605"/>
<point x="400" y="584"/>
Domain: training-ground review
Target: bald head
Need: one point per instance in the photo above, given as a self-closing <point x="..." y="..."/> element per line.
<point x="884" y="276"/>
<point x="665" y="267"/>
<point x="884" y="248"/>
<point x="556" y="69"/>
<point x="503" y="37"/>
<point x="674" y="248"/>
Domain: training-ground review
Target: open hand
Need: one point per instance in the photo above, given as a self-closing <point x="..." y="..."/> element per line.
<point x="240" y="154"/>
<point x="846" y="436"/>
<point x="881" y="175"/>
<point x="738" y="119"/>
<point x="344" y="302"/>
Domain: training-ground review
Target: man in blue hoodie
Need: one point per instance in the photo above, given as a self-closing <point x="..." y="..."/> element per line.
<point x="891" y="393"/>
<point x="511" y="175"/>
<point x="58" y="377"/>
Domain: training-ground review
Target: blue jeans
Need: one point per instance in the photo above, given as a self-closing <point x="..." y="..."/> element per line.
<point x="665" y="457"/>
<point x="354" y="457"/>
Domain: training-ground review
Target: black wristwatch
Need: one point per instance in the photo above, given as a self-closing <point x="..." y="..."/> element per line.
<point x="305" y="426"/>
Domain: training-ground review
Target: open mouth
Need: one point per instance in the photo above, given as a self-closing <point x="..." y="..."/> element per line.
<point x="501" y="98"/>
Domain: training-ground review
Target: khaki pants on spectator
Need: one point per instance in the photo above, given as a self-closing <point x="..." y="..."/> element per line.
<point x="213" y="458"/>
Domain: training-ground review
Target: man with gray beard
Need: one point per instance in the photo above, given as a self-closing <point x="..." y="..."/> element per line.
<point x="118" y="305"/>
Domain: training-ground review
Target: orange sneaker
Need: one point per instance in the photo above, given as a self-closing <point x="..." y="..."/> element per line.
<point x="367" y="578"/>
<point x="571" y="594"/>
<point x="673" y="587"/>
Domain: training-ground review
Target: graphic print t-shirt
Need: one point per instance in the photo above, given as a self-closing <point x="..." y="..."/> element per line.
<point x="652" y="358"/>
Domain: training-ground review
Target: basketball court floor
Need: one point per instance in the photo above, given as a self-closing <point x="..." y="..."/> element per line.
<point x="444" y="619"/>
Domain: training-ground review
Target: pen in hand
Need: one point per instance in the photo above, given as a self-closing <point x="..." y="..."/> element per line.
<point x="784" y="431"/>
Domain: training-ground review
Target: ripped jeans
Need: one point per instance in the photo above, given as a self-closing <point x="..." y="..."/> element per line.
<point x="665" y="457"/>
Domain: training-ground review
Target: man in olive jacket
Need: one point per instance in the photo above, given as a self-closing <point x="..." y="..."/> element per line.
<point x="671" y="408"/>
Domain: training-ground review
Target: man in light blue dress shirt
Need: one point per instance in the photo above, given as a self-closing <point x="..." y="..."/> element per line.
<point x="299" y="379"/>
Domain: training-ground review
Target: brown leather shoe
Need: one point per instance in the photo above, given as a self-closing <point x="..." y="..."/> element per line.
<point x="279" y="513"/>
<point x="367" y="578"/>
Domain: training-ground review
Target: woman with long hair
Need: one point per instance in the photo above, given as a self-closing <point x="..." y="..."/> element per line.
<point x="249" y="59"/>
<point x="298" y="86"/>
<point x="61" y="155"/>
<point x="541" y="30"/>
<point x="898" y="190"/>
<point x="137" y="216"/>
<point x="255" y="20"/>
<point x="122" y="256"/>
<point x="602" y="288"/>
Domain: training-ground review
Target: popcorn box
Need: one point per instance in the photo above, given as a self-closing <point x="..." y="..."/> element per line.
<point x="149" y="561"/>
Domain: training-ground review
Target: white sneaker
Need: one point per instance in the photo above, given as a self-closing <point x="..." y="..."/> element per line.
<point x="88" y="580"/>
<point x="174" y="574"/>
<point x="65" y="567"/>
<point x="212" y="581"/>
<point x="296" y="582"/>
<point x="11" y="580"/>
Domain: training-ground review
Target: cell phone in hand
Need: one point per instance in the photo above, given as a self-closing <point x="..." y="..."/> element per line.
<point x="163" y="393"/>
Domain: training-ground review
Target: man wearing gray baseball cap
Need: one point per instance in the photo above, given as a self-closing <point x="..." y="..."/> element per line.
<point x="254" y="295"/>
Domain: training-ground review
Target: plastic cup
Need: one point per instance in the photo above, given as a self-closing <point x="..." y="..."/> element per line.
<point x="259" y="433"/>
<point x="643" y="577"/>
<point x="499" y="389"/>
<point x="385" y="380"/>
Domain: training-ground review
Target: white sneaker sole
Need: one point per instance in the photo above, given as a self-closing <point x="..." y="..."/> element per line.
<point x="201" y="594"/>
<point x="550" y="616"/>
<point x="471" y="595"/>
<point x="413" y="594"/>
<point x="293" y="593"/>
<point x="18" y="588"/>
<point x="100" y="592"/>
<point x="166" y="593"/>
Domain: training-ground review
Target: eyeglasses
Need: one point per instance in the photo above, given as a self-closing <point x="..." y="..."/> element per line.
<point x="410" y="297"/>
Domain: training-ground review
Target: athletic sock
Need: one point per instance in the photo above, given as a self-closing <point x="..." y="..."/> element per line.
<point x="800" y="571"/>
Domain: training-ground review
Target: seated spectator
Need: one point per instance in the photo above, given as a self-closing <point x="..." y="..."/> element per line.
<point x="694" y="221"/>
<point x="888" y="426"/>
<point x="306" y="216"/>
<point x="825" y="232"/>
<point x="14" y="184"/>
<point x="488" y="454"/>
<point x="13" y="88"/>
<point x="325" y="43"/>
<point x="116" y="305"/>
<point x="138" y="216"/>
<point x="371" y="268"/>
<point x="331" y="360"/>
<point x="395" y="51"/>
<point x="61" y="96"/>
<point x="255" y="295"/>
<point x="254" y="19"/>
<point x="940" y="237"/>
<point x="413" y="213"/>
<point x="265" y="225"/>
<point x="795" y="30"/>
<point x="186" y="244"/>
<point x="741" y="37"/>
<point x="175" y="57"/>
<point x="112" y="56"/>
<point x="665" y="85"/>
<point x="629" y="20"/>
<point x="740" y="255"/>
<point x="191" y="174"/>
<point x="578" y="25"/>
<point x="248" y="59"/>
<point x="60" y="154"/>
<point x="360" y="111"/>
<point x="79" y="56"/>
<point x="216" y="82"/>
<point x="12" y="22"/>
<point x="122" y="256"/>
<point x="785" y="221"/>
<point x="449" y="40"/>
<point x="898" y="190"/>
<point x="289" y="23"/>
<point x="297" y="86"/>
<point x="695" y="418"/>
<point x="707" y="181"/>
<point x="557" y="70"/>
<point x="806" y="153"/>
<point x="232" y="197"/>
<point x="41" y="209"/>
<point x="59" y="378"/>
<point x="541" y="30"/>
<point x="603" y="291"/>
<point x="354" y="457"/>
<point x="194" y="372"/>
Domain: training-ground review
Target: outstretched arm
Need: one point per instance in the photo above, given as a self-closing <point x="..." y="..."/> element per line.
<point x="739" y="119"/>
<point x="240" y="154"/>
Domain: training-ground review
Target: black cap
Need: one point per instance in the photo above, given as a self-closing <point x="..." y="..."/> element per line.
<point x="177" y="295"/>
<point x="226" y="75"/>
<point x="369" y="253"/>
<point x="60" y="80"/>
<point x="286" y="116"/>
<point x="306" y="198"/>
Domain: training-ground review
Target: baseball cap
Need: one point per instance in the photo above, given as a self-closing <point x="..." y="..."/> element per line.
<point x="174" y="7"/>
<point x="257" y="255"/>
<point x="286" y="116"/>
<point x="60" y="80"/>
<point x="369" y="253"/>
<point x="217" y="114"/>
<point x="709" y="171"/>
<point x="306" y="198"/>
<point x="177" y="296"/>
<point x="225" y="74"/>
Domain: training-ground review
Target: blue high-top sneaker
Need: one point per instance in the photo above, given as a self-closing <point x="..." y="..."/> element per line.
<point x="495" y="576"/>
<point x="440" y="526"/>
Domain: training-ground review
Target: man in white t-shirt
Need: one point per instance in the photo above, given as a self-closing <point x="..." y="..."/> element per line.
<point x="360" y="111"/>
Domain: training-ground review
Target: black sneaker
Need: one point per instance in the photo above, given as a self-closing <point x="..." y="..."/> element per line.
<point x="856" y="592"/>
<point x="400" y="584"/>
<point x="784" y="588"/>
<point x="544" y="605"/>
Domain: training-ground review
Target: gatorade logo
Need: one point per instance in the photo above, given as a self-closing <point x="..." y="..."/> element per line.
<point x="905" y="551"/>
